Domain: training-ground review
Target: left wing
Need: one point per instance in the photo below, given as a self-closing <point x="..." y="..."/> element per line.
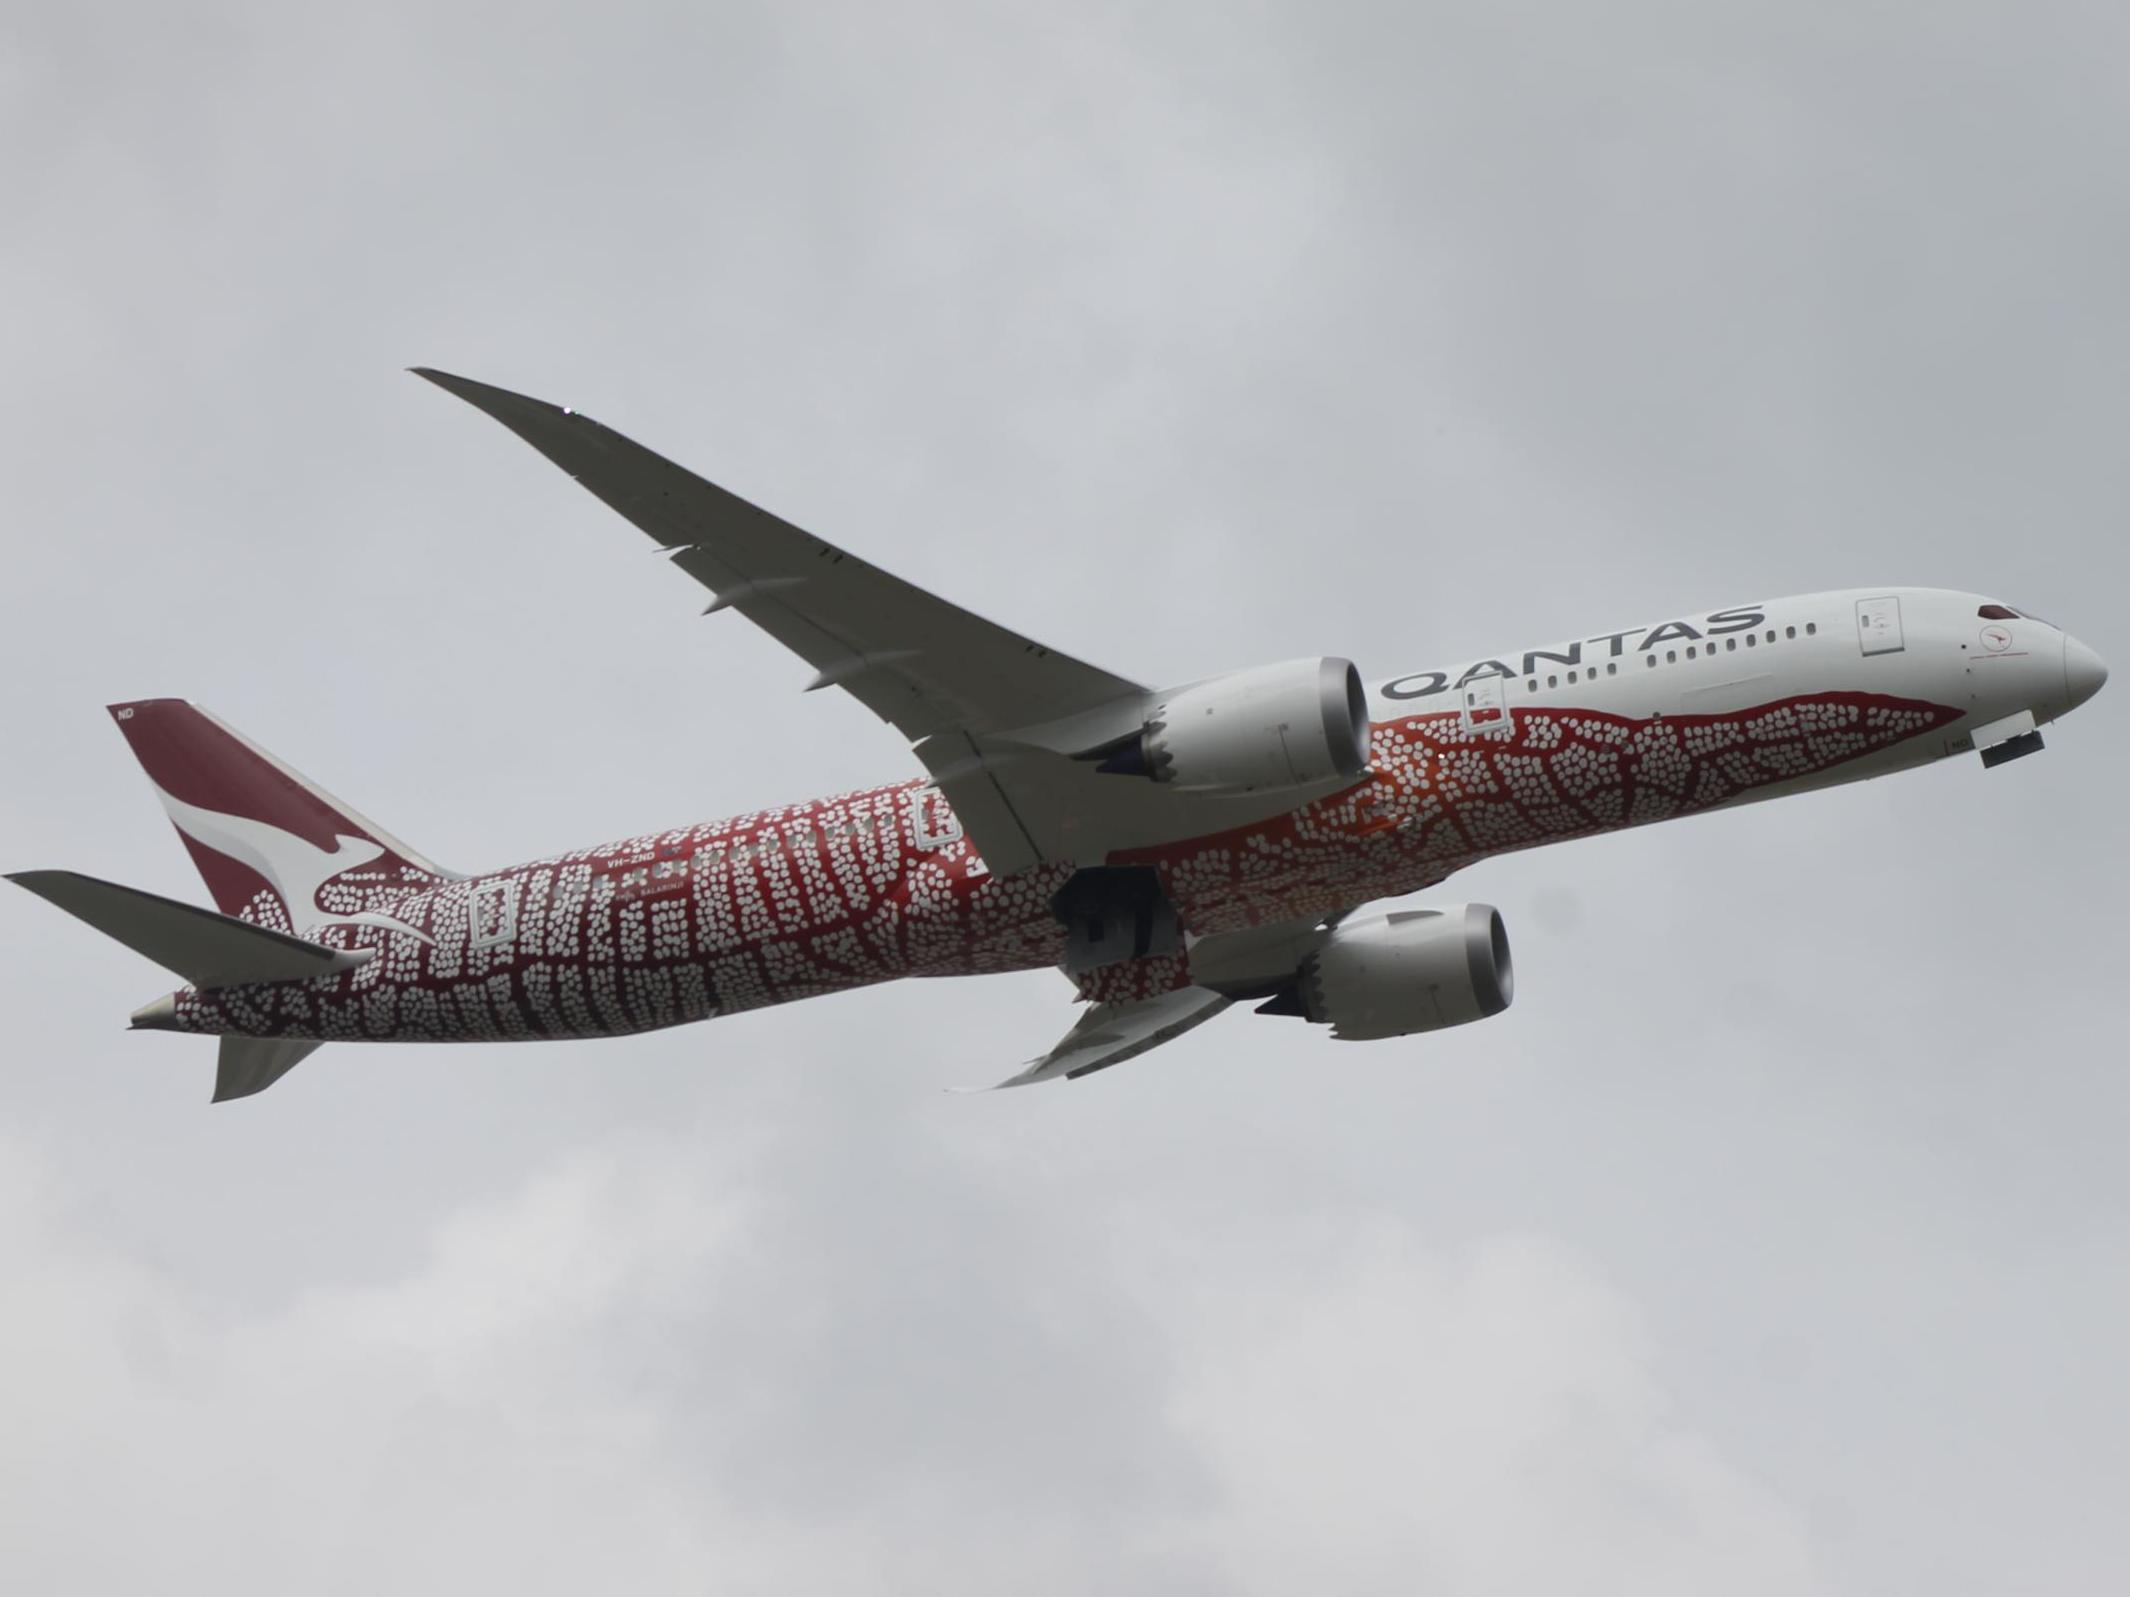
<point x="1109" y="1034"/>
<point x="1224" y="967"/>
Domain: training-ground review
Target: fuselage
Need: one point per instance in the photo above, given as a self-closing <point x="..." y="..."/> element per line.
<point x="1531" y="745"/>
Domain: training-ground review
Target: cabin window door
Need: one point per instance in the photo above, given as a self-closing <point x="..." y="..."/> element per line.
<point x="1878" y="625"/>
<point x="493" y="913"/>
<point x="933" y="823"/>
<point x="1486" y="706"/>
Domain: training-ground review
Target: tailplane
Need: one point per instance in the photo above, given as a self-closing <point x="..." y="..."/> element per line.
<point x="274" y="849"/>
<point x="253" y="1064"/>
<point x="207" y="949"/>
<point x="280" y="856"/>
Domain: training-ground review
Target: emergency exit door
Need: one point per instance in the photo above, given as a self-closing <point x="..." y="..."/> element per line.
<point x="1486" y="707"/>
<point x="1878" y="625"/>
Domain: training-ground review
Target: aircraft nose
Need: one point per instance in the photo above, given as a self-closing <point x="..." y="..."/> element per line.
<point x="2083" y="671"/>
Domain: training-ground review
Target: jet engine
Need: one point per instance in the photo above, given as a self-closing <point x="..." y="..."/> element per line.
<point x="1302" y="723"/>
<point x="1407" y="971"/>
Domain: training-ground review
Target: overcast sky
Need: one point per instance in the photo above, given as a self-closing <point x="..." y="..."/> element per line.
<point x="1775" y="1242"/>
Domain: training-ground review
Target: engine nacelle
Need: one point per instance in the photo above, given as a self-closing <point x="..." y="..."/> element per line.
<point x="1408" y="971"/>
<point x="1298" y="724"/>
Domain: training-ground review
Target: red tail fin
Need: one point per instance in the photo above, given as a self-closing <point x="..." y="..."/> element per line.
<point x="273" y="848"/>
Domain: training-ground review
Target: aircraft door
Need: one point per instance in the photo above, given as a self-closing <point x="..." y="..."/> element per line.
<point x="1878" y="625"/>
<point x="1486" y="707"/>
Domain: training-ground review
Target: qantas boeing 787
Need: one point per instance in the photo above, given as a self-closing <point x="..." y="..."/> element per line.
<point x="1172" y="850"/>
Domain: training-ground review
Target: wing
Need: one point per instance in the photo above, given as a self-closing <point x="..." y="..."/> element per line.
<point x="1224" y="967"/>
<point x="1109" y="1034"/>
<point x="923" y="665"/>
<point x="1003" y="724"/>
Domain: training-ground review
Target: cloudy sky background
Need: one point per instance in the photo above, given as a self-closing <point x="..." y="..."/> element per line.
<point x="1775" y="1242"/>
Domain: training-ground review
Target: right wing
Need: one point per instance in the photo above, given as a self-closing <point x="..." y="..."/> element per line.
<point x="1003" y="724"/>
<point x="919" y="663"/>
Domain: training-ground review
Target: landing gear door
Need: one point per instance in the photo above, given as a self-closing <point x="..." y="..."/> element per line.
<point x="1486" y="707"/>
<point x="1878" y="625"/>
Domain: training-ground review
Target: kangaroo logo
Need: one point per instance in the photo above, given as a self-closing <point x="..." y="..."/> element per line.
<point x="295" y="869"/>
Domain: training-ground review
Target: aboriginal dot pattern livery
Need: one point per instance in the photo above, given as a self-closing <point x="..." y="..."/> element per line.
<point x="815" y="898"/>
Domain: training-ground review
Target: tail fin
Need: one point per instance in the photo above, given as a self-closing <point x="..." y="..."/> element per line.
<point x="266" y="841"/>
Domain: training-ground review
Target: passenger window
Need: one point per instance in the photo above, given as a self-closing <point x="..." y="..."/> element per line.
<point x="1789" y="632"/>
<point x="1771" y="634"/>
<point x="1612" y="668"/>
<point x="1730" y="645"/>
<point x="1553" y="682"/>
<point x="1811" y="627"/>
<point x="1752" y="639"/>
<point x="1671" y="656"/>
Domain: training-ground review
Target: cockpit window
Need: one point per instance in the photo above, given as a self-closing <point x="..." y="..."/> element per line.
<point x="2004" y="612"/>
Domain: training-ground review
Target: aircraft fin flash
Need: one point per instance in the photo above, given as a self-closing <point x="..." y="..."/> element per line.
<point x="267" y="841"/>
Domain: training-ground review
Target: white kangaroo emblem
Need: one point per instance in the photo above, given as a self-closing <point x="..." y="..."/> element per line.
<point x="296" y="869"/>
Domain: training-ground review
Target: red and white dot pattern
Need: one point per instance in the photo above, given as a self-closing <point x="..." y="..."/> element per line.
<point x="816" y="898"/>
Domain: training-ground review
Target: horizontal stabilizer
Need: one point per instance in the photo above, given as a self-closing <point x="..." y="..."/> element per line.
<point x="207" y="949"/>
<point x="253" y="1064"/>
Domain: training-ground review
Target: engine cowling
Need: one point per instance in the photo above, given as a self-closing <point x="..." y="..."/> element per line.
<point x="1298" y="724"/>
<point x="1407" y="971"/>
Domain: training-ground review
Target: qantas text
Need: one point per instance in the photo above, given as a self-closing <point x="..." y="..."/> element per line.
<point x="1422" y="683"/>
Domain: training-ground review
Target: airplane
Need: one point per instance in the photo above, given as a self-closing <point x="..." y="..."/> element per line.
<point x="1172" y="850"/>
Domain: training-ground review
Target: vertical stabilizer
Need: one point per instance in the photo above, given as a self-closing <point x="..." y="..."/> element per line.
<point x="270" y="845"/>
